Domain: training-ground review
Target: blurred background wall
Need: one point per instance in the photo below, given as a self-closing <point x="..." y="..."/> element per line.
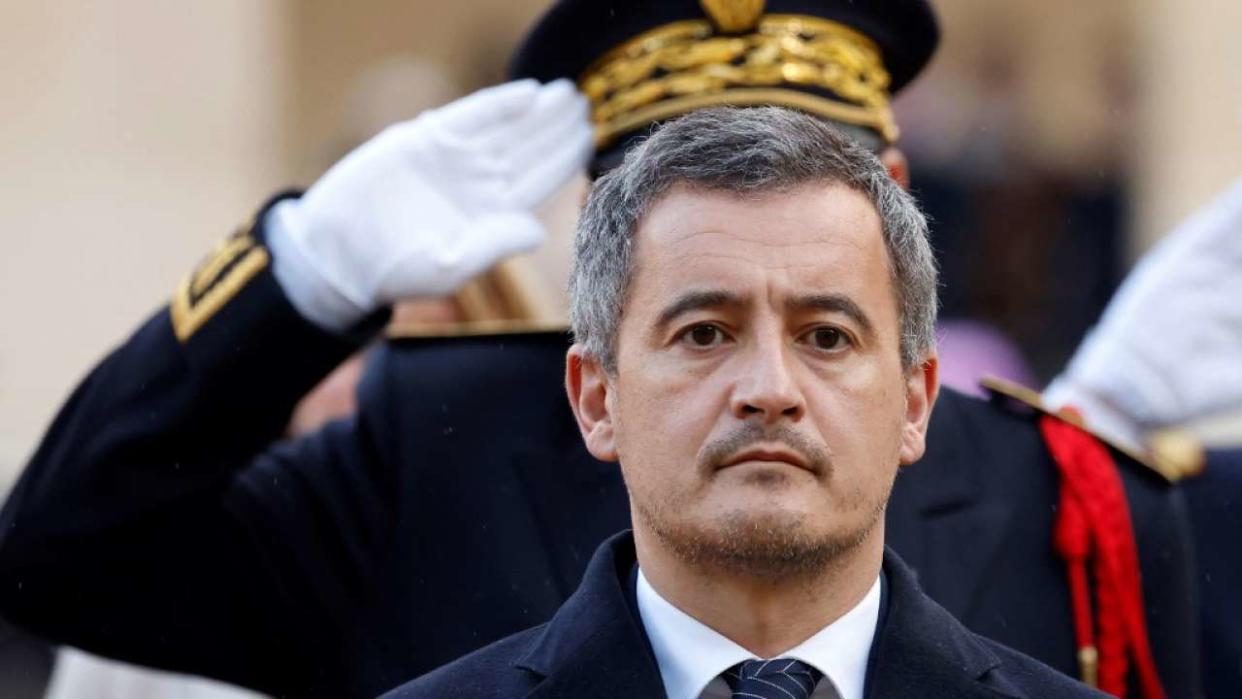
<point x="1053" y="139"/>
<point x="132" y="135"/>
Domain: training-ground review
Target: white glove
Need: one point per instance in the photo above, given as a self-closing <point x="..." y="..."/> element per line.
<point x="1169" y="346"/>
<point x="429" y="203"/>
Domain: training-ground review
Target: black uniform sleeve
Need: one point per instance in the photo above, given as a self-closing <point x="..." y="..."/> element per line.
<point x="123" y="534"/>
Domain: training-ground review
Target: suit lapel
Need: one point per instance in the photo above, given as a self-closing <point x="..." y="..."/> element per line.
<point x="922" y="651"/>
<point x="604" y="667"/>
<point x="940" y="519"/>
<point x="595" y="645"/>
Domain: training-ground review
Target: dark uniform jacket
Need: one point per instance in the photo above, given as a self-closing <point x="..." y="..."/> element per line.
<point x="596" y="646"/>
<point x="161" y="522"/>
<point x="1215" y="504"/>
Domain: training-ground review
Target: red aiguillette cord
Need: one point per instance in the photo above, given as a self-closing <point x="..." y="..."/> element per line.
<point x="1093" y="528"/>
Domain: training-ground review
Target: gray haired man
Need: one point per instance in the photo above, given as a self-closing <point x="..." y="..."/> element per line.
<point x="753" y="303"/>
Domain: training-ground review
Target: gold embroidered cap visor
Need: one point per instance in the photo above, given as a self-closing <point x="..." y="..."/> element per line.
<point x="643" y="61"/>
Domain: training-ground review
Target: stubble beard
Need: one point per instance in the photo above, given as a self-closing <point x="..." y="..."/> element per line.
<point x="765" y="546"/>
<point x="762" y="545"/>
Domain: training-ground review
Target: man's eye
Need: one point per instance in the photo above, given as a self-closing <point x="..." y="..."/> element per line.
<point x="704" y="336"/>
<point x="829" y="339"/>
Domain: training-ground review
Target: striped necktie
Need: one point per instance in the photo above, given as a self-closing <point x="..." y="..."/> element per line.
<point x="779" y="678"/>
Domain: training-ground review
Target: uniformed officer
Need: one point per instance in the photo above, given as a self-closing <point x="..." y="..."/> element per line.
<point x="458" y="504"/>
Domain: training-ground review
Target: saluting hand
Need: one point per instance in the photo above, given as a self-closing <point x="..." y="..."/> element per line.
<point x="1168" y="346"/>
<point x="429" y="203"/>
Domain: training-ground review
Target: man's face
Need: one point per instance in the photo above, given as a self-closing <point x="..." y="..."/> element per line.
<point x="759" y="408"/>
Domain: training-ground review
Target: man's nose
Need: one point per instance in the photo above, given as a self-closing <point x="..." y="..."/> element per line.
<point x="766" y="387"/>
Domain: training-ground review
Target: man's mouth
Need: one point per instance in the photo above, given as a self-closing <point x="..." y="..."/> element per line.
<point x="771" y="454"/>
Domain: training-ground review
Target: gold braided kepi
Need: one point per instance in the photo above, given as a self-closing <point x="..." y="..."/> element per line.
<point x="783" y="60"/>
<point x="643" y="61"/>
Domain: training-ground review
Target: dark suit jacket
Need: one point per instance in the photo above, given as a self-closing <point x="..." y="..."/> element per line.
<point x="163" y="522"/>
<point x="596" y="646"/>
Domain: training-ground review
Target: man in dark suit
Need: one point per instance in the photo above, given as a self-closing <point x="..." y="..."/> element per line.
<point x="322" y="566"/>
<point x="753" y="305"/>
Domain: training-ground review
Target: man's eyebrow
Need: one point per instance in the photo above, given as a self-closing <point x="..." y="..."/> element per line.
<point x="694" y="300"/>
<point x="834" y="303"/>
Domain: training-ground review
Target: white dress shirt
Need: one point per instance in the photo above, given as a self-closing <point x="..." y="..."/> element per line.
<point x="691" y="656"/>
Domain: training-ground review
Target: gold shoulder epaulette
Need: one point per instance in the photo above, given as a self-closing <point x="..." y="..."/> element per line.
<point x="473" y="328"/>
<point x="1173" y="455"/>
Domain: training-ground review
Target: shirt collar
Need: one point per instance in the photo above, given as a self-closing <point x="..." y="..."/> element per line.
<point x="691" y="655"/>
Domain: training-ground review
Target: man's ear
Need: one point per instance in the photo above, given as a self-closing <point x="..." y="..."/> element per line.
<point x="586" y="384"/>
<point x="922" y="387"/>
<point x="898" y="167"/>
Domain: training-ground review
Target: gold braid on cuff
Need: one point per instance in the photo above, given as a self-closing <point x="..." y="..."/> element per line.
<point x="688" y="65"/>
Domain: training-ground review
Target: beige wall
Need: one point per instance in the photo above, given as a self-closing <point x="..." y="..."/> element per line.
<point x="337" y="43"/>
<point x="1188" y="140"/>
<point x="134" y="133"/>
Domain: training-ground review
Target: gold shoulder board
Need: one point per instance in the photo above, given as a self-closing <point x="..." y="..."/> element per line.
<point x="1170" y="454"/>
